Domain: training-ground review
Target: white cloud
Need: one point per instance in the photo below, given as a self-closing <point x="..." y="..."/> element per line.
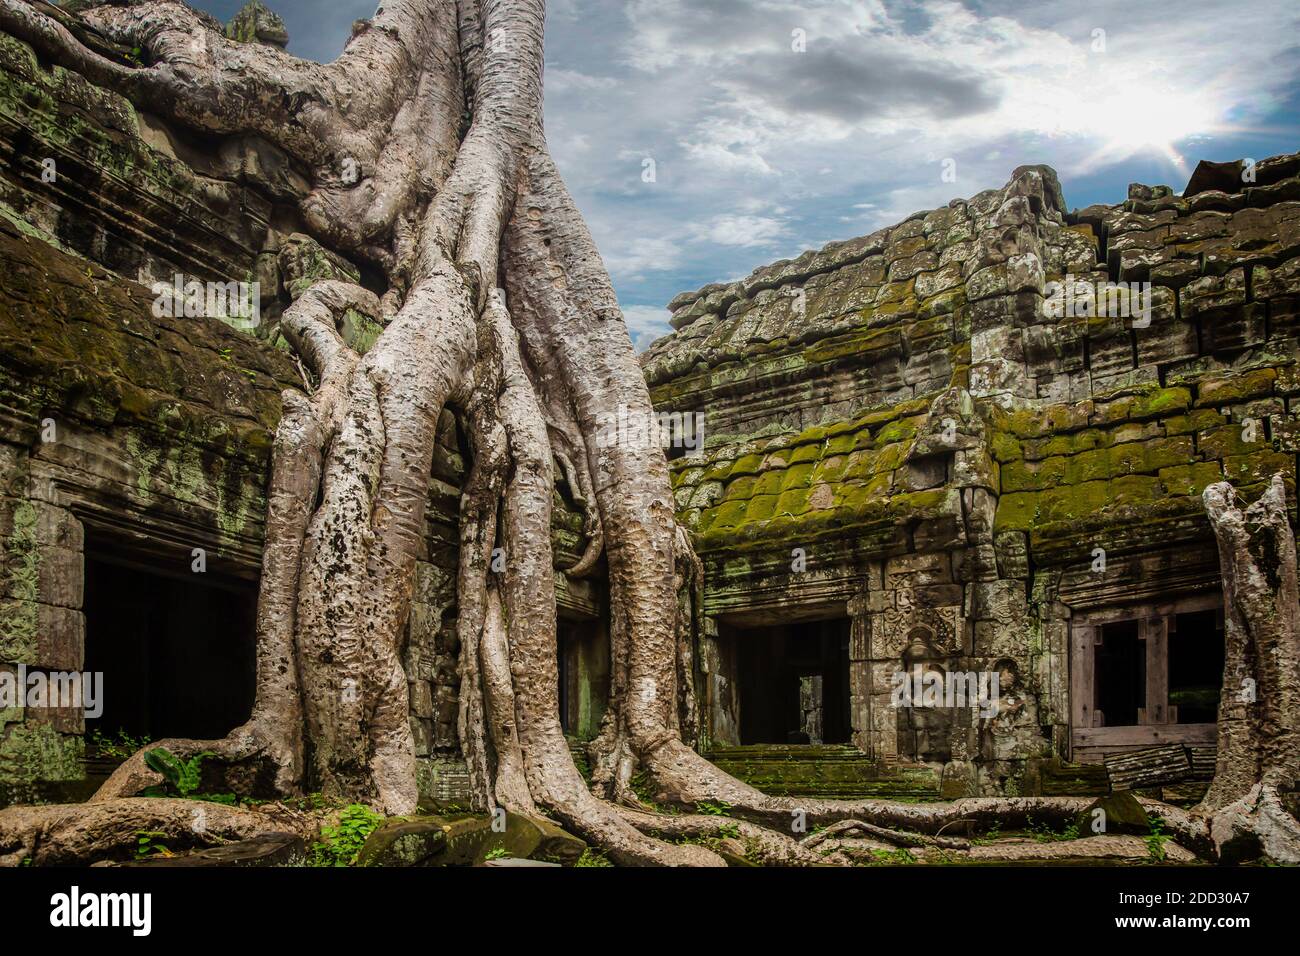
<point x="635" y="256"/>
<point x="645" y="323"/>
<point x="731" y="230"/>
<point x="849" y="135"/>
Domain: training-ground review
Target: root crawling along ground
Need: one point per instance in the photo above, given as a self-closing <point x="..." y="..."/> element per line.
<point x="496" y="306"/>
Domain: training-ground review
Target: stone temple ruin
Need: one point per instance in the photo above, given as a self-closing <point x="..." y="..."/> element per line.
<point x="964" y="452"/>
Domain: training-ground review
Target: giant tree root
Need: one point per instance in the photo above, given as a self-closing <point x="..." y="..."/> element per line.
<point x="859" y="828"/>
<point x="761" y="845"/>
<point x="75" y="834"/>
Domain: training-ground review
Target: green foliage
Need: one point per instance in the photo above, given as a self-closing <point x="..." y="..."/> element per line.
<point x="308" y="803"/>
<point x="182" y="776"/>
<point x="1043" y="832"/>
<point x="339" y="845"/>
<point x="148" y="844"/>
<point x="592" y="857"/>
<point x="719" y="809"/>
<point x="497" y="853"/>
<point x="119" y="745"/>
<point x="225" y="799"/>
<point x="1157" y="839"/>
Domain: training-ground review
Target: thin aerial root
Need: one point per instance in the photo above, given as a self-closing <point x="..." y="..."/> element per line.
<point x="850" y="828"/>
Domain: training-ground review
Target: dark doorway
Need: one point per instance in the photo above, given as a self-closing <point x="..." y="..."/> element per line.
<point x="794" y="683"/>
<point x="1121" y="674"/>
<point x="583" y="652"/>
<point x="1196" y="666"/>
<point x="177" y="649"/>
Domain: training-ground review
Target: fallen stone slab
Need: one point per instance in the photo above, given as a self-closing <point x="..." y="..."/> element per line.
<point x="466" y="839"/>
<point x="1120" y="813"/>
<point x="272" y="849"/>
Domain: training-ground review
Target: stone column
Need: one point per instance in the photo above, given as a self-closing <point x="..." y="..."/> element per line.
<point x="717" y="725"/>
<point x="860" y="682"/>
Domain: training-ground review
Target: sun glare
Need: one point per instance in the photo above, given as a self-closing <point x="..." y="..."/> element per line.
<point x="1144" y="118"/>
<point x="1122" y="118"/>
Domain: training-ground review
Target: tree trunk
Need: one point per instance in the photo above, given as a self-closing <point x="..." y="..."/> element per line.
<point x="1251" y="803"/>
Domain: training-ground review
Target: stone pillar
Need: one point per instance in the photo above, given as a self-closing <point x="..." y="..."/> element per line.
<point x="860" y="681"/>
<point x="719" y="724"/>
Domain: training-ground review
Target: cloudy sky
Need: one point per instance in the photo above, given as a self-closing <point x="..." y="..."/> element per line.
<point x="703" y="138"/>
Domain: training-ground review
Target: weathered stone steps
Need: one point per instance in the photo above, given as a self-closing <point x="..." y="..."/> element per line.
<point x="833" y="772"/>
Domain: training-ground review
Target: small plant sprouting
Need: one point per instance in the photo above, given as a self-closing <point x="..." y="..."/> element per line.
<point x="1157" y="839"/>
<point x="720" y="809"/>
<point x="592" y="857"/>
<point x="497" y="853"/>
<point x="148" y="844"/>
<point x="1043" y="832"/>
<point x="181" y="775"/>
<point x="339" y="845"/>
<point x="119" y="745"/>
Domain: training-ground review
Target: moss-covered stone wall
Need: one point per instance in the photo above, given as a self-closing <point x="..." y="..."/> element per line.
<point x="938" y="428"/>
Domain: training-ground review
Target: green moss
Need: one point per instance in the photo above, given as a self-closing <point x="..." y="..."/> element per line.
<point x="805" y="453"/>
<point x="360" y="332"/>
<point x="730" y="514"/>
<point x="1134" y="458"/>
<point x="1161" y="402"/>
<point x="890" y="457"/>
<point x="1133" y="490"/>
<point x="1237" y="388"/>
<point x="871" y="344"/>
<point x="740" y="489"/>
<point x="863" y="498"/>
<point x="1226" y="441"/>
<point x="798" y="476"/>
<point x="1005" y="447"/>
<point x="32" y="754"/>
<point x="761" y="507"/>
<point x="1075" y="501"/>
<point x="746" y="465"/>
<point x="830" y="469"/>
<point x="1191" y="479"/>
<point x="1017" y="512"/>
<point x="840" y="444"/>
<point x="1152" y="403"/>
<point x="793" y="502"/>
<point x="768" y="483"/>
<point x="1194" y="421"/>
<point x="862" y="439"/>
<point x="1033" y="475"/>
<point x="1258" y="467"/>
<point x="1070" y="443"/>
<point x="897" y="431"/>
